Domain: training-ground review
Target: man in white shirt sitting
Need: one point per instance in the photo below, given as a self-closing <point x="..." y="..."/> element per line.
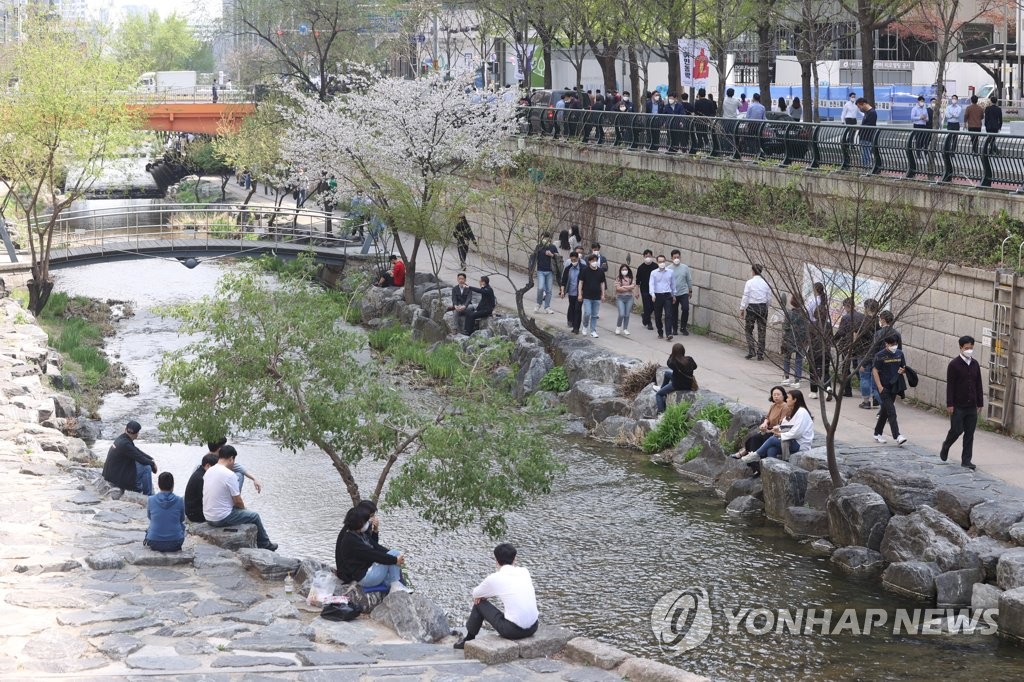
<point x="514" y="587"/>
<point x="222" y="498"/>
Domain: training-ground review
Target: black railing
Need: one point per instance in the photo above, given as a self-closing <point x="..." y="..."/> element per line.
<point x="937" y="156"/>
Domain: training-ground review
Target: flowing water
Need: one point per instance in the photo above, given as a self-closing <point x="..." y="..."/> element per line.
<point x="615" y="534"/>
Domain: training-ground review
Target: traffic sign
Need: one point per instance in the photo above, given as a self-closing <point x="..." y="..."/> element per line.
<point x="303" y="29"/>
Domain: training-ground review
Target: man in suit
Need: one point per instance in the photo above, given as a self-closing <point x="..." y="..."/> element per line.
<point x="993" y="120"/>
<point x="675" y="123"/>
<point x="965" y="395"/>
<point x="462" y="297"/>
<point x="657" y="110"/>
<point x="867" y="133"/>
<point x="703" y="107"/>
<point x="483" y="309"/>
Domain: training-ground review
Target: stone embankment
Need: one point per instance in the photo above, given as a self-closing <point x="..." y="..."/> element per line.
<point x="920" y="527"/>
<point x="81" y="597"/>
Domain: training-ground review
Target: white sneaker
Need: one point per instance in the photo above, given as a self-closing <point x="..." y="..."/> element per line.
<point x="879" y="439"/>
<point x="626" y="332"/>
<point x="784" y="382"/>
<point x="814" y="396"/>
<point x="794" y="384"/>
<point x="549" y="311"/>
<point x="399" y="587"/>
<point x="901" y="439"/>
<point x="594" y="334"/>
<point x="618" y="330"/>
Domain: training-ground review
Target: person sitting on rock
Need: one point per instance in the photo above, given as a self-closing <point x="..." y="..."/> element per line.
<point x="194" y="489"/>
<point x="796" y="430"/>
<point x="678" y="376"/>
<point x="514" y="587"/>
<point x="222" y="499"/>
<point x="776" y="413"/>
<point x="485" y="308"/>
<point x="214" y="447"/>
<point x="166" y="512"/>
<point x="395" y="275"/>
<point x="360" y="558"/>
<point x="128" y="467"/>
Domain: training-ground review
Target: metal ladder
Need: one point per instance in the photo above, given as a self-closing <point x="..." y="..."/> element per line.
<point x="1000" y="371"/>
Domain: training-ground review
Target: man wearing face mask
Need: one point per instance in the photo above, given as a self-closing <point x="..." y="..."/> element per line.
<point x="643" y="279"/>
<point x="544" y="258"/>
<point x="954" y="114"/>
<point x="483" y="309"/>
<point x="602" y="265"/>
<point x="681" y="286"/>
<point x="964" y="397"/>
<point x="570" y="282"/>
<point x="590" y="293"/>
<point x="657" y="110"/>
<point x="889" y="368"/>
<point x="850" y="112"/>
<point x="631" y="131"/>
<point x="661" y="296"/>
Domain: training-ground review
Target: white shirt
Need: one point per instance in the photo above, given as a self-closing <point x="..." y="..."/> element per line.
<point x="755" y="291"/>
<point x="730" y="107"/>
<point x="966" y="359"/>
<point x="803" y="428"/>
<point x="850" y="110"/>
<point x="220" y="484"/>
<point x="514" y="587"/>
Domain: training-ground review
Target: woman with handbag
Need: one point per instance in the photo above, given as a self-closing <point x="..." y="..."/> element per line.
<point x="778" y="411"/>
<point x="678" y="376"/>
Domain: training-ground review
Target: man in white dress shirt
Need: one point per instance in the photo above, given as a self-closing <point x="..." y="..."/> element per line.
<point x="514" y="587"/>
<point x="754" y="310"/>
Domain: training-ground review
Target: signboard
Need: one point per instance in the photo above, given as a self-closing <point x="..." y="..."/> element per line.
<point x="694" y="62"/>
<point x="303" y="29"/>
<point x="986" y="337"/>
<point x="879" y="65"/>
<point x="839" y="285"/>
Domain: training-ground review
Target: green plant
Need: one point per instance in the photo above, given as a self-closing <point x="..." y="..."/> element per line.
<point x="692" y="453"/>
<point x="674" y="425"/>
<point x="716" y="413"/>
<point x="555" y="380"/>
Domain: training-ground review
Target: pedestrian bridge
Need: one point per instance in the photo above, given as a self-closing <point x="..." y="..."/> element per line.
<point x="193" y="110"/>
<point x="194" y="233"/>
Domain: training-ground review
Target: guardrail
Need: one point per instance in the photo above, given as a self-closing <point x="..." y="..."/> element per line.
<point x="196" y="95"/>
<point x="936" y="156"/>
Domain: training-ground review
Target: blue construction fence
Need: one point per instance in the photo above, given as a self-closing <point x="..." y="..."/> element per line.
<point x="893" y="102"/>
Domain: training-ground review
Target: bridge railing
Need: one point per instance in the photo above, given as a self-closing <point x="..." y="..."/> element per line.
<point x="194" y="225"/>
<point x="197" y="95"/>
<point x="938" y="156"/>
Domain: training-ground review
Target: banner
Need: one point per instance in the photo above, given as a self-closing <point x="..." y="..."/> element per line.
<point x="694" y="62"/>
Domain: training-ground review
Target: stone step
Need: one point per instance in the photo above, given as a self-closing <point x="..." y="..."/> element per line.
<point x="492" y="650"/>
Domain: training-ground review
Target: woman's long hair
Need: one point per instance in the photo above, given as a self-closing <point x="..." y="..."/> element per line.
<point x="798" y="398"/>
<point x="678" y="353"/>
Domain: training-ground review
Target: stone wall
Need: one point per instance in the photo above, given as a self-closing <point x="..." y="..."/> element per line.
<point x="958" y="303"/>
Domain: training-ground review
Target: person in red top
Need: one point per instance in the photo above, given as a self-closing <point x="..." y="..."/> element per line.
<point x="395" y="277"/>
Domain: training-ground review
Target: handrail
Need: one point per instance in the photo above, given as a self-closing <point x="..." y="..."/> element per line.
<point x="984" y="160"/>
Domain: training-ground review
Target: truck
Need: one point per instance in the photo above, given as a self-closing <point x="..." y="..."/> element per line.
<point x="164" y="81"/>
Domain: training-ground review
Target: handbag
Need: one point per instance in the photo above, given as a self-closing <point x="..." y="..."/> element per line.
<point x="342" y="612"/>
<point x="911" y="376"/>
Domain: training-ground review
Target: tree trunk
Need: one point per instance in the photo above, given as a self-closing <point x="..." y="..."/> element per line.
<point x="634" y="76"/>
<point x="224" y="187"/>
<point x="817" y="94"/>
<point x="606" y="58"/>
<point x="675" y="73"/>
<point x="38" y="294"/>
<point x="764" y="45"/>
<point x="867" y="55"/>
<point x="805" y="89"/>
<point x="548" y="78"/>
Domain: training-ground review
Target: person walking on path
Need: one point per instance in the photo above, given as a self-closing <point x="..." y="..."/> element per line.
<point x="889" y="368"/>
<point x="128" y="467"/>
<point x="463" y="235"/>
<point x="682" y="283"/>
<point x="625" y="294"/>
<point x="754" y="311"/>
<point x="678" y="376"/>
<point x="661" y="298"/>
<point x="867" y="133"/>
<point x="974" y="116"/>
<point x="590" y="292"/>
<point x="964" y="397"/>
<point x="514" y="587"/>
<point x="796" y="334"/>
<point x="643" y="280"/>
<point x="570" y="283"/>
<point x="544" y="258"/>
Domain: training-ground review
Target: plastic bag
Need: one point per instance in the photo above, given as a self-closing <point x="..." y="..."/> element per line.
<point x="322" y="586"/>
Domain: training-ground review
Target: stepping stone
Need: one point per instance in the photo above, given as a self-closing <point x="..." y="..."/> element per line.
<point x="270" y="643"/>
<point x="118" y="646"/>
<point x="318" y="658"/>
<point x="123" y="627"/>
<point x="79" y="618"/>
<point x="163" y="574"/>
<point x="212" y="607"/>
<point x="250" y="661"/>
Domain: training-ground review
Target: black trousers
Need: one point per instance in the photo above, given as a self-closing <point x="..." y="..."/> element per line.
<point x="952" y="126"/>
<point x="575" y="313"/>
<point x="819" y="369"/>
<point x="974" y="139"/>
<point x="757" y="314"/>
<point x="887" y="413"/>
<point x="505" y="628"/>
<point x="645" y="297"/>
<point x="682" y="312"/>
<point x="963" y="421"/>
<point x="463" y="252"/>
<point x="664" y="310"/>
<point x="471" y="317"/>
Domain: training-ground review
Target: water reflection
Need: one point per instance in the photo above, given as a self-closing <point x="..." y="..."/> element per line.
<point x="613" y="536"/>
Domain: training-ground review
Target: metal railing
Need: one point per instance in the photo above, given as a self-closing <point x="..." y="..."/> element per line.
<point x="196" y="95"/>
<point x="938" y="156"/>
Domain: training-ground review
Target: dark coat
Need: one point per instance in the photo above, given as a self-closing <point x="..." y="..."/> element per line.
<point x="993" y="118"/>
<point x="119" y="468"/>
<point x="354" y="553"/>
<point x="487" y="301"/>
<point x="463" y="233"/>
<point x="464" y="297"/>
<point x="194" y="496"/>
<point x="682" y="374"/>
<point x="705" y="107"/>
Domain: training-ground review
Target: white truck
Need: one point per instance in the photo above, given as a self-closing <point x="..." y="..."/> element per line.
<point x="167" y="81"/>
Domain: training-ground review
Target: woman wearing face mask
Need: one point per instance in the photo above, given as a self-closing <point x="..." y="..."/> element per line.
<point x="625" y="292"/>
<point x="797" y="430"/>
<point x="360" y="558"/>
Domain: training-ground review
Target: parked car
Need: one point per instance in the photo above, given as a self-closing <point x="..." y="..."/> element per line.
<point x="774" y="136"/>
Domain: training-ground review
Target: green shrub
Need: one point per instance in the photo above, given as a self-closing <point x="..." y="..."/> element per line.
<point x="691" y="453"/>
<point x="385" y="338"/>
<point x="675" y="424"/>
<point x="555" y="380"/>
<point x="716" y="413"/>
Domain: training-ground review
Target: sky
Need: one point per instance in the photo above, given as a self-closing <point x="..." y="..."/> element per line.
<point x="165" y="7"/>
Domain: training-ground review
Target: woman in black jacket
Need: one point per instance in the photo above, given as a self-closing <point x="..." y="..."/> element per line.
<point x="679" y="376"/>
<point x="360" y="558"/>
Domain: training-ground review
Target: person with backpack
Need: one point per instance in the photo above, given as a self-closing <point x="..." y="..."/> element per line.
<point x="888" y="372"/>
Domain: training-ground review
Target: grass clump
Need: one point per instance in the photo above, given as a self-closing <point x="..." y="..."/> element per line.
<point x="556" y="380"/>
<point x="674" y="425"/>
<point x="716" y="413"/>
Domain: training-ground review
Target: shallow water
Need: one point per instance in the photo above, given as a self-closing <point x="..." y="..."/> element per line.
<point x="615" y="534"/>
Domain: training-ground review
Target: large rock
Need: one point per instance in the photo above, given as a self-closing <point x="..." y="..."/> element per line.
<point x="1017" y="532"/>
<point x="595" y="402"/>
<point x="803" y="522"/>
<point x="903" y="490"/>
<point x="645" y="670"/>
<point x="957" y="503"/>
<point x="996" y="518"/>
<point x="619" y="430"/>
<point x="858" y="561"/>
<point x="914" y="579"/>
<point x="988" y="550"/>
<point x="784" y="487"/>
<point x="926" y="535"/>
<point x="229" y="537"/>
<point x="819" y="486"/>
<point x="811" y="459"/>
<point x="425" y="329"/>
<point x="1011" y="614"/>
<point x="745" y="486"/>
<point x="857" y="516"/>
<point x="742" y="420"/>
<point x="493" y="650"/>
<point x="645" y="405"/>
<point x="269" y="565"/>
<point x="412" y="616"/>
<point x="700" y="455"/>
<point x="595" y="364"/>
<point x="532" y="368"/>
<point x="985" y="596"/>
<point x="1010" y="570"/>
<point x="734" y="471"/>
<point x="954" y="588"/>
<point x="745" y="507"/>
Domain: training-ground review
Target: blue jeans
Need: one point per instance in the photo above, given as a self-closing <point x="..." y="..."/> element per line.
<point x="625" y="306"/>
<point x="591" y="311"/>
<point x="382" y="574"/>
<point x="165" y="545"/>
<point x="867" y="155"/>
<point x="544" y="280"/>
<point x="773" y="447"/>
<point x="661" y="397"/>
<point x="240" y="516"/>
<point x="798" y="366"/>
<point x="143" y="479"/>
<point x="868" y="390"/>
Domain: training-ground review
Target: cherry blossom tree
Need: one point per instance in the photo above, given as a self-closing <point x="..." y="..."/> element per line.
<point x="412" y="146"/>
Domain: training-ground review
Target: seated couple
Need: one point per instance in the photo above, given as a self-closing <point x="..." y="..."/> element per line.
<point x="788" y="421"/>
<point x="361" y="558"/>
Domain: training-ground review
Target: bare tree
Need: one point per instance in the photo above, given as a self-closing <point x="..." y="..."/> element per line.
<point x="871" y="16"/>
<point x="722" y="23"/>
<point x="850" y="265"/>
<point x="816" y="27"/>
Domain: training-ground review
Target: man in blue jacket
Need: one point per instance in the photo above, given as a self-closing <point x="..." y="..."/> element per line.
<point x="126" y="466"/>
<point x="166" y="512"/>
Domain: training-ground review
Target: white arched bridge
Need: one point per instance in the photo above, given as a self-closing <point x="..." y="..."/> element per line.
<point x="193" y="233"/>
